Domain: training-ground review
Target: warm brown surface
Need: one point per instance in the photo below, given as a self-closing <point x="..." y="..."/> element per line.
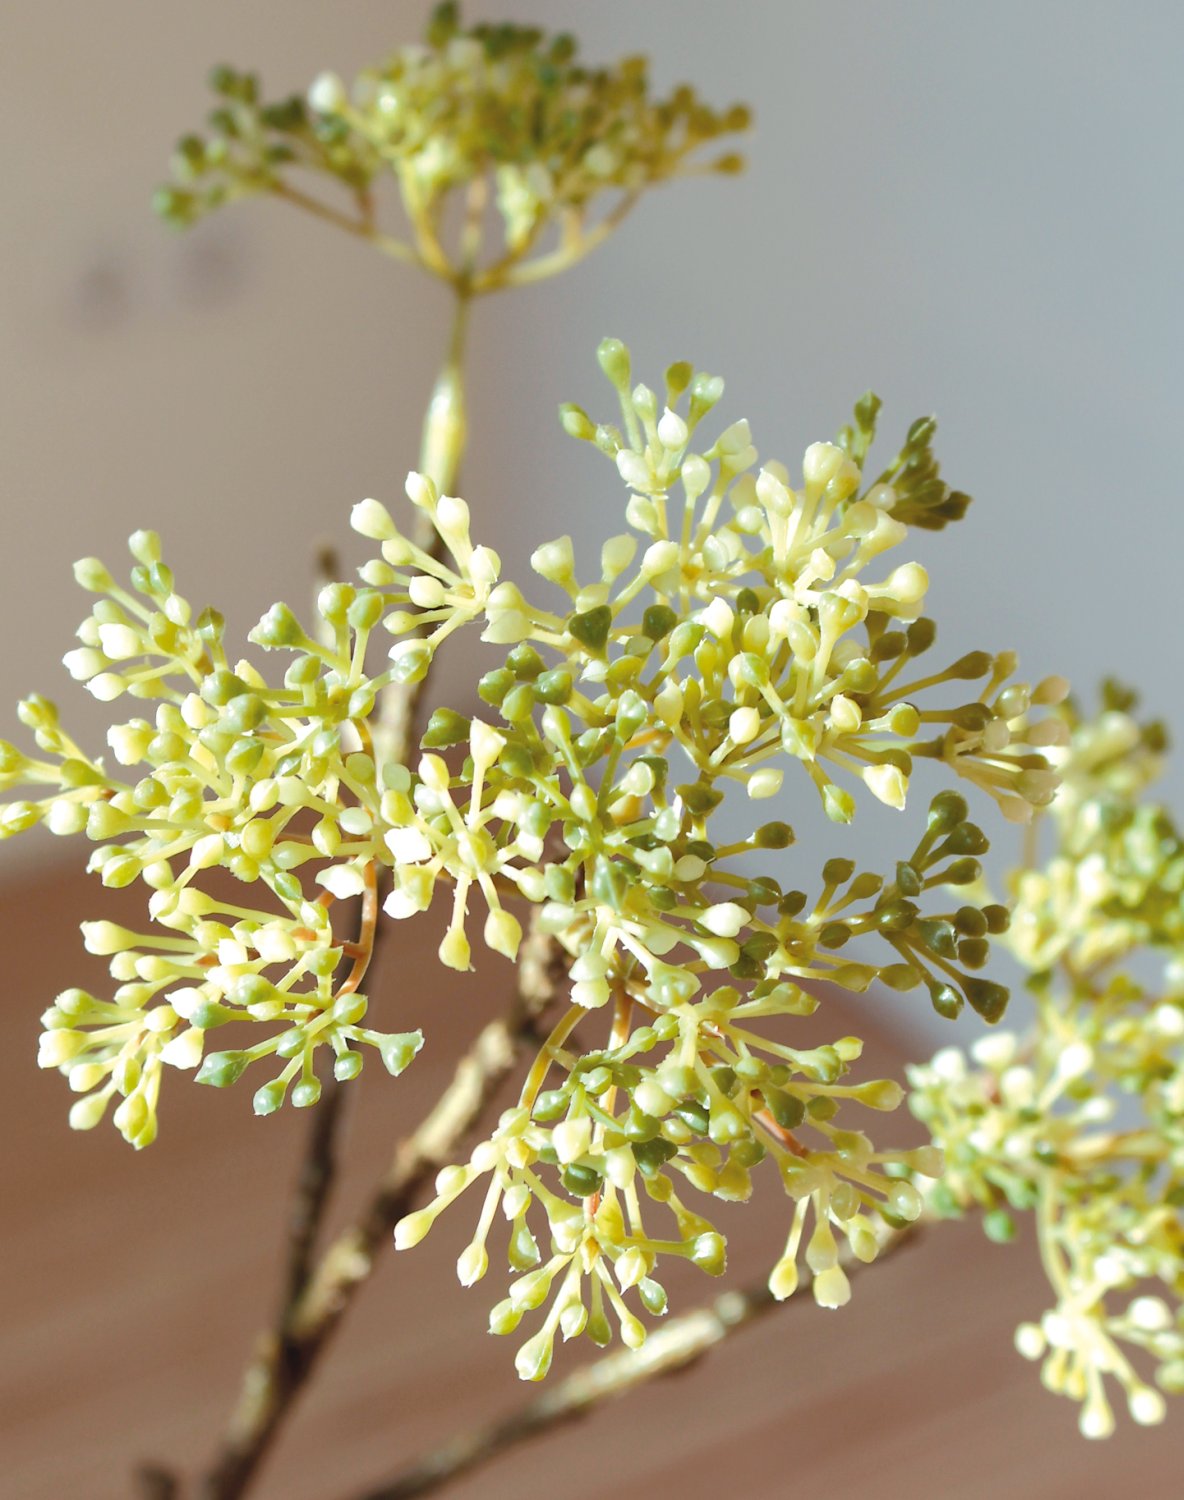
<point x="132" y="1286"/>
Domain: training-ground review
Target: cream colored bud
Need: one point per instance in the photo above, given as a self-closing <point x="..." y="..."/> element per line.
<point x="184" y="1051"/>
<point x="486" y="743"/>
<point x="616" y="555"/>
<point x="845" y="714"/>
<point x="822" y="461"/>
<point x="719" y="618"/>
<point x="773" y="494"/>
<point x="555" y="560"/>
<point x="744" y="725"/>
<point x="572" y="1138"/>
<point x="86" y="1113"/>
<point x="412" y="1228"/>
<point x="831" y="1287"/>
<point x="634" y="470"/>
<point x="120" y="642"/>
<point x="420" y="491"/>
<point x="326" y="94"/>
<point x="668" y="704"/>
<point x="472" y="1265"/>
<point x="452" y="518"/>
<point x="765" y="783"/>
<point x="207" y="852"/>
<point x="1030" y="1341"/>
<point x="426" y="592"/>
<point x="503" y="933"/>
<point x="454" y="951"/>
<point x="783" y="1279"/>
<point x="433" y="771"/>
<point x="84" y="663"/>
<point x="660" y="558"/>
<point x="371" y="519"/>
<point x="1051" y="690"/>
<point x="725" y="920"/>
<point x="106" y="687"/>
<point x="672" y="431"/>
<point x="888" y="783"/>
<point x="1146" y="1406"/>
<point x="696" y="476"/>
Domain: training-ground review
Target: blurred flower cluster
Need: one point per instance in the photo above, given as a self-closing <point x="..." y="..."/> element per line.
<point x="492" y="112"/>
<point x="1081" y="1120"/>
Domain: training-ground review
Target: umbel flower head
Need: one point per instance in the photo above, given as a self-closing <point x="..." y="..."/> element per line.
<point x="1081" y="1120"/>
<point x="747" y="629"/>
<point x="490" y="112"/>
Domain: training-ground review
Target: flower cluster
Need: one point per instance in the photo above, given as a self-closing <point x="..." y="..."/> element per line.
<point x="275" y="785"/>
<point x="491" y="110"/>
<point x="688" y="1102"/>
<point x="1082" y="1121"/>
<point x="741" y="628"/>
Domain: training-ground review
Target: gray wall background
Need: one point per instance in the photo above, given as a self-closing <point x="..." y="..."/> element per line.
<point x="976" y="210"/>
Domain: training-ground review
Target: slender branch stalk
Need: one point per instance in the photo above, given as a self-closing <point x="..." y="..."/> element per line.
<point x="671" y="1348"/>
<point x="445" y="435"/>
<point x="282" y="1365"/>
<point x="360" y="228"/>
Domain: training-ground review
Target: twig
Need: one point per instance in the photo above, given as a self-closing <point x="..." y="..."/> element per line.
<point x="313" y="1187"/>
<point x="282" y="1365"/>
<point x="666" y="1351"/>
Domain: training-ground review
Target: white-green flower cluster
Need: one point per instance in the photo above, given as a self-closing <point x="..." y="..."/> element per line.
<point x="274" y="785"/>
<point x="1082" y="1121"/>
<point x="742" y="630"/>
<point x="503" y="110"/>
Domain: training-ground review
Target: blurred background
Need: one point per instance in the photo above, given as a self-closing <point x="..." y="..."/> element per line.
<point x="977" y="211"/>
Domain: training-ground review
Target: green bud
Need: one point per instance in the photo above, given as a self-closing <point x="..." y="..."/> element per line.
<point x="581" y="1181"/>
<point x="576" y="422"/>
<point x="525" y="662"/>
<point x="278" y="627"/>
<point x="658" y="621"/>
<point x="270" y="1097"/>
<point x="398" y="1050"/>
<point x="220" y="1069"/>
<point x="946" y="812"/>
<point x="494" y="686"/>
<point x="987" y="998"/>
<point x="787" y="1109"/>
<point x="973" y="664"/>
<point x="613" y="358"/>
<point x="946" y="1000"/>
<point x="908" y="882"/>
<point x="710" y="1253"/>
<point x="998" y="1225"/>
<point x="591" y="628"/>
<point x="554" y="687"/>
<point x="445" y="727"/>
<point x="653" y="1154"/>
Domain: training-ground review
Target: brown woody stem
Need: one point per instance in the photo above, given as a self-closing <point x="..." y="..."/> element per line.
<point x="669" y="1349"/>
<point x="285" y="1359"/>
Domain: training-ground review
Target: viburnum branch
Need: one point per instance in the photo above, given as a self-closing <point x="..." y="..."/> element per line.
<point x="672" y="1348"/>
